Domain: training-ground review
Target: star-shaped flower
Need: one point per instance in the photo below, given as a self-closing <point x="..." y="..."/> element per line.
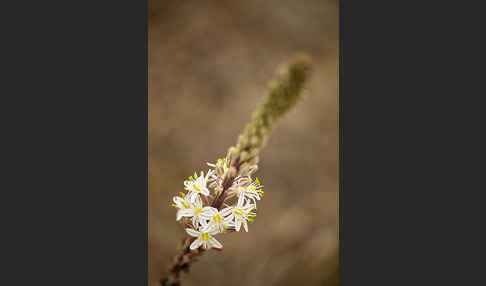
<point x="253" y="192"/>
<point x="204" y="238"/>
<point x="189" y="209"/>
<point x="240" y="214"/>
<point x="217" y="219"/>
<point x="197" y="185"/>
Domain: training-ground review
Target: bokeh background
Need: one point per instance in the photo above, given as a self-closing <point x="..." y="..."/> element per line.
<point x="209" y="65"/>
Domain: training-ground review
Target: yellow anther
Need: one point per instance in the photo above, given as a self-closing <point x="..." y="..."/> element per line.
<point x="198" y="210"/>
<point x="205" y="236"/>
<point x="217" y="218"/>
<point x="185" y="205"/>
<point x="196" y="187"/>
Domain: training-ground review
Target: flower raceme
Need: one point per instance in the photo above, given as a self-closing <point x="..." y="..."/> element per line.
<point x="204" y="221"/>
<point x="224" y="199"/>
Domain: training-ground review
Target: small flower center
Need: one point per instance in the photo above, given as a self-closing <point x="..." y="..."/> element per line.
<point x="205" y="236"/>
<point x="198" y="210"/>
<point x="217" y="218"/>
<point x="197" y="188"/>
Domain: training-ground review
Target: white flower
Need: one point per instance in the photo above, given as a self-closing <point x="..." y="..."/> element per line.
<point x="216" y="219"/>
<point x="189" y="209"/>
<point x="204" y="238"/>
<point x="241" y="213"/>
<point x="253" y="192"/>
<point x="181" y="203"/>
<point x="197" y="185"/>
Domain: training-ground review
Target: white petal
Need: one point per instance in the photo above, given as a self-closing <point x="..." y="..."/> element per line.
<point x="241" y="201"/>
<point x="226" y="211"/>
<point x="229" y="223"/>
<point x="192" y="232"/>
<point x="205" y="191"/>
<point x="195" y="244"/>
<point x="210" y="211"/>
<point x="198" y="201"/>
<point x="215" y="243"/>
<point x="177" y="200"/>
<point x="245" y="224"/>
<point x="206" y="245"/>
<point x="214" y="230"/>
<point x="179" y="214"/>
<point x="191" y="197"/>
<point x="186" y="212"/>
<point x="231" y="217"/>
<point x="238" y="225"/>
<point x="203" y="221"/>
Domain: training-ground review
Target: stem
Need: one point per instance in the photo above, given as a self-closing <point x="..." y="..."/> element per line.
<point x="182" y="262"/>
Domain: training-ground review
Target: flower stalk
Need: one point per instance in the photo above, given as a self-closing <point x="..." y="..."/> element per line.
<point x="228" y="189"/>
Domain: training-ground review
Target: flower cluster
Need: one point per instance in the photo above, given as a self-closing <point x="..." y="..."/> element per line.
<point x="195" y="209"/>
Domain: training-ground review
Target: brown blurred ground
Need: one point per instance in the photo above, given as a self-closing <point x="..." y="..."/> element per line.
<point x="209" y="64"/>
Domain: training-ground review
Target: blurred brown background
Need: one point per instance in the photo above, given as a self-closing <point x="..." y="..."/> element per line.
<point x="209" y="64"/>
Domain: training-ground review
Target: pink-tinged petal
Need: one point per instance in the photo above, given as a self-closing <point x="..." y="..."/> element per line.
<point x="215" y="243"/>
<point x="192" y="232"/>
<point x="195" y="244"/>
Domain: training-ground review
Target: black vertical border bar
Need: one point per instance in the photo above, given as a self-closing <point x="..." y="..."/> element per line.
<point x="76" y="107"/>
